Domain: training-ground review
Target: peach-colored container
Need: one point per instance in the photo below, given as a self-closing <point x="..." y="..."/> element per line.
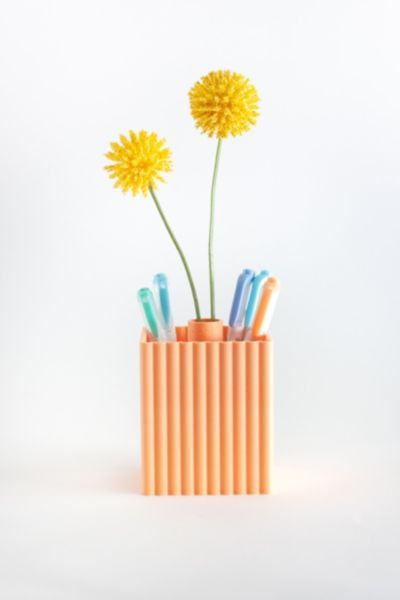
<point x="206" y="415"/>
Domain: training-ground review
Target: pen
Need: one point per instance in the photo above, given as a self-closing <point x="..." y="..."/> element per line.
<point x="266" y="307"/>
<point x="254" y="297"/>
<point x="162" y="296"/>
<point x="146" y="301"/>
<point x="239" y="304"/>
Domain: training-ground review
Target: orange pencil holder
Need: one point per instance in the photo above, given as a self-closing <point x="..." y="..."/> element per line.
<point x="206" y="413"/>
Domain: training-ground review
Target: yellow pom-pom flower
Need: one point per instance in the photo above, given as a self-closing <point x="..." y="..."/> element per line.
<point x="224" y="103"/>
<point x="138" y="161"/>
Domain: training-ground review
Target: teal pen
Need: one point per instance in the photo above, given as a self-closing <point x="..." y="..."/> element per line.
<point x="163" y="302"/>
<point x="147" y="304"/>
<point x="252" y="304"/>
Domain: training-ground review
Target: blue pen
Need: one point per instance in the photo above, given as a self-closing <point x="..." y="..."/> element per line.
<point x="162" y="295"/>
<point x="239" y="304"/>
<point x="252" y="304"/>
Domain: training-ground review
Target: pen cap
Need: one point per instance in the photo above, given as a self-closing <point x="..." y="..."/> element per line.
<point x="146" y="302"/>
<point x="240" y="297"/>
<point x="161" y="288"/>
<point x="266" y="307"/>
<point x="255" y="292"/>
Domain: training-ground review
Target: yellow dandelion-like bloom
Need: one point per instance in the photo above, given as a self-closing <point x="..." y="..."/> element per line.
<point x="137" y="164"/>
<point x="138" y="161"/>
<point x="223" y="103"/>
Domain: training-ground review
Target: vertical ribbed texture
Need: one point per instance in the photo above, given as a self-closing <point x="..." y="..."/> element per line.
<point x="226" y="396"/>
<point x="147" y="418"/>
<point x="252" y="419"/>
<point x="200" y="416"/>
<point x="160" y="418"/>
<point x="213" y="416"/>
<point x="239" y="417"/>
<point x="187" y="419"/>
<point x="206" y="417"/>
<point x="266" y="417"/>
<point x="174" y="420"/>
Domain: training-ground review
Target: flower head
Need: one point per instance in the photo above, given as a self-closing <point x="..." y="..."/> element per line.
<point x="224" y="103"/>
<point x="138" y="161"/>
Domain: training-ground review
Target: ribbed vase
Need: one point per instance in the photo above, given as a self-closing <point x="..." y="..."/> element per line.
<point x="206" y="416"/>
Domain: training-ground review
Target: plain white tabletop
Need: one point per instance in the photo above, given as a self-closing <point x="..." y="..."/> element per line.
<point x="329" y="531"/>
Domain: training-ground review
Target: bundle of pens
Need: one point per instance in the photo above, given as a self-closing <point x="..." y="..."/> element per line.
<point x="252" y="309"/>
<point x="206" y="389"/>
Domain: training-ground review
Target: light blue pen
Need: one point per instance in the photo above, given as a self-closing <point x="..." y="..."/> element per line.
<point x="235" y="330"/>
<point x="146" y="301"/>
<point x="252" y="304"/>
<point x="162" y="296"/>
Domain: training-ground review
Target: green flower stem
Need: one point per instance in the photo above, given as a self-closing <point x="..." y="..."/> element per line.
<point x="180" y="252"/>
<point x="211" y="230"/>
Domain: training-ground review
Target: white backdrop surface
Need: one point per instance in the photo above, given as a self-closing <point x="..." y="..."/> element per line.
<point x="311" y="193"/>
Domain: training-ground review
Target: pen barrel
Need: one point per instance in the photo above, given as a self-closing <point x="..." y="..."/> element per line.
<point x="235" y="334"/>
<point x="170" y="335"/>
<point x="247" y="335"/>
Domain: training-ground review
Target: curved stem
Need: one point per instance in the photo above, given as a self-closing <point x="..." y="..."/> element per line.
<point x="211" y="231"/>
<point x="180" y="252"/>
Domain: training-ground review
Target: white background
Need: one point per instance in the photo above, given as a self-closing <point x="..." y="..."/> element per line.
<point x="311" y="193"/>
